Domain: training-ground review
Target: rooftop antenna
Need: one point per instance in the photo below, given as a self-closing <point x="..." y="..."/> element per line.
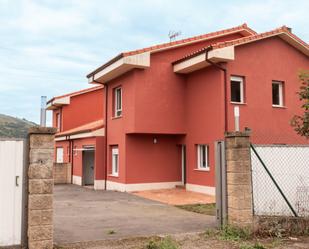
<point x="43" y="111"/>
<point x="173" y="34"/>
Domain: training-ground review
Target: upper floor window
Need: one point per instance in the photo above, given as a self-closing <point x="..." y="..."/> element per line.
<point x="277" y="93"/>
<point x="58" y="121"/>
<point x="237" y="89"/>
<point x="202" y="157"/>
<point x="118" y="102"/>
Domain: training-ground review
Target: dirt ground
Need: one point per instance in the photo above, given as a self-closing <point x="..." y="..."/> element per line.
<point x="194" y="241"/>
<point x="176" y="196"/>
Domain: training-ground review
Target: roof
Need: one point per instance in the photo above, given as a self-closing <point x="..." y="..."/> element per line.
<point x="83" y="128"/>
<point x="173" y="44"/>
<point x="245" y="40"/>
<point x="77" y="93"/>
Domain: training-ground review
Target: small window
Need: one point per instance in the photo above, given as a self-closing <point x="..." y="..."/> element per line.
<point x="277" y="93"/>
<point x="237" y="89"/>
<point x="59" y="155"/>
<point x="118" y="101"/>
<point x="202" y="157"/>
<point x="58" y="121"/>
<point x="115" y="161"/>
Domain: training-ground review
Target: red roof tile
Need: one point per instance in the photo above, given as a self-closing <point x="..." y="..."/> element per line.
<point x="83" y="128"/>
<point x="244" y="40"/>
<point x="77" y="92"/>
<point x="174" y="43"/>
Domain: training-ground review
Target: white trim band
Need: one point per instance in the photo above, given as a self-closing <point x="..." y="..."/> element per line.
<point x="77" y="180"/>
<point x="99" y="184"/>
<point x="201" y="189"/>
<point x="140" y="186"/>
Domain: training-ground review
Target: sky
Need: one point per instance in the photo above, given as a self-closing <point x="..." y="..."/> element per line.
<point x="47" y="47"/>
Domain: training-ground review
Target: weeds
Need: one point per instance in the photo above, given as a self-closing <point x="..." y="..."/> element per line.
<point x="166" y="243"/>
<point x="110" y="232"/>
<point x="255" y="246"/>
<point x="208" y="209"/>
<point x="234" y="233"/>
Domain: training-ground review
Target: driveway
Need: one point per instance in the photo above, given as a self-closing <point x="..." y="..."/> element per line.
<point x="82" y="214"/>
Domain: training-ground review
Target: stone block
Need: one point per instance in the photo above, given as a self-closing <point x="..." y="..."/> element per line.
<point x="40" y="217"/>
<point x="239" y="178"/>
<point x="40" y="202"/>
<point x="238" y="154"/>
<point x="41" y="156"/>
<point x="45" y="244"/>
<point x="44" y="186"/>
<point x="39" y="141"/>
<point x="40" y="171"/>
<point x="238" y="166"/>
<point x="43" y="232"/>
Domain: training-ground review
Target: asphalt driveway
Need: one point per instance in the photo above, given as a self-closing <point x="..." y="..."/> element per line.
<point x="82" y="214"/>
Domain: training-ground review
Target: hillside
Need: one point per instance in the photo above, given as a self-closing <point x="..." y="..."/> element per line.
<point x="11" y="127"/>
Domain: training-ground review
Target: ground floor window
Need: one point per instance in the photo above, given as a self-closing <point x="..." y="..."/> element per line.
<point x="115" y="161"/>
<point x="59" y="155"/>
<point x="202" y="157"/>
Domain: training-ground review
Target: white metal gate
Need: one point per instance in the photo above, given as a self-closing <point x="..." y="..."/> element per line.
<point x="12" y="162"/>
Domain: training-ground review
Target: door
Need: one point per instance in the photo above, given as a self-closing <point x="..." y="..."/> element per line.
<point x="11" y="192"/>
<point x="88" y="166"/>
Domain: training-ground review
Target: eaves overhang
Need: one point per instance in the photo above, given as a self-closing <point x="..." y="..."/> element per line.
<point x="55" y="103"/>
<point x="119" y="67"/>
<point x="198" y="61"/>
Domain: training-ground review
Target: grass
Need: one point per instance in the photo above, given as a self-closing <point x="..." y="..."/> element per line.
<point x="165" y="243"/>
<point x="234" y="233"/>
<point x="207" y="209"/>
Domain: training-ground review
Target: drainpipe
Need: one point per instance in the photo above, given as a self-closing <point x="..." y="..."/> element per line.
<point x="224" y="70"/>
<point x="105" y="135"/>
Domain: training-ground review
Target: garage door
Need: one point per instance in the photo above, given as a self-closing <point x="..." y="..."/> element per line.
<point x="11" y="191"/>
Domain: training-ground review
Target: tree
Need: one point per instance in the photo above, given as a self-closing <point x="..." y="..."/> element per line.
<point x="301" y="122"/>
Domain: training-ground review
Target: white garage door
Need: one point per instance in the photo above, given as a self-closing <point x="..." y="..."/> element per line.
<point x="11" y="192"/>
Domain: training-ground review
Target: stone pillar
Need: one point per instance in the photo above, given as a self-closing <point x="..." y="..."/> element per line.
<point x="40" y="188"/>
<point x="239" y="179"/>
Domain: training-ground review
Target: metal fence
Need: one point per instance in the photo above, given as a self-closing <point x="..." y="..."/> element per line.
<point x="280" y="177"/>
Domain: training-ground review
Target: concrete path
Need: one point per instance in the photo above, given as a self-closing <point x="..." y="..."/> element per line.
<point x="82" y="214"/>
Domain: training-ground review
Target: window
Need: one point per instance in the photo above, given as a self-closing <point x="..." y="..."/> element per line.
<point x="115" y="161"/>
<point x="277" y="93"/>
<point x="237" y="89"/>
<point x="118" y="101"/>
<point x="202" y="157"/>
<point x="59" y="155"/>
<point x="58" y="121"/>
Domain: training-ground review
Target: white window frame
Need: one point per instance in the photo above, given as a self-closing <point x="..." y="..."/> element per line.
<point x="118" y="109"/>
<point x="280" y="83"/>
<point x="115" y="163"/>
<point x="59" y="155"/>
<point x="200" y="165"/>
<point x="241" y="81"/>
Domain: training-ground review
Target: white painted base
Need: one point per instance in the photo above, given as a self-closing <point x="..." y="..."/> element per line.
<point x="201" y="189"/>
<point x="77" y="180"/>
<point x="140" y="186"/>
<point x="99" y="184"/>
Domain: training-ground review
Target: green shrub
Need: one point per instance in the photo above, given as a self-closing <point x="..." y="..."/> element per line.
<point x="255" y="246"/>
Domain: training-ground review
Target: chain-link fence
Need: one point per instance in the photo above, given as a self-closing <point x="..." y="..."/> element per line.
<point x="280" y="175"/>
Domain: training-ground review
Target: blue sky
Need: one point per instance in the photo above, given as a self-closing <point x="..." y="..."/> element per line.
<point x="47" y="47"/>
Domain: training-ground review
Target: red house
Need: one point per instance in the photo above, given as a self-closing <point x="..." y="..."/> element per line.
<point x="154" y="121"/>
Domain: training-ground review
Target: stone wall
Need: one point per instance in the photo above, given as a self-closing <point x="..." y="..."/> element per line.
<point x="239" y="179"/>
<point x="62" y="173"/>
<point x="40" y="188"/>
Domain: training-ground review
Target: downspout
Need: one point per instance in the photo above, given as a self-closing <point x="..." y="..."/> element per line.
<point x="105" y="131"/>
<point x="225" y="87"/>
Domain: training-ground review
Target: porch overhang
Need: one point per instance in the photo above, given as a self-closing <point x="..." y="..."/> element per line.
<point x="118" y="67"/>
<point x="57" y="102"/>
<point x="196" y="62"/>
<point x="84" y="134"/>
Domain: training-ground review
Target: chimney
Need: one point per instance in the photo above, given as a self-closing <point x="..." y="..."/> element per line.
<point x="43" y="111"/>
